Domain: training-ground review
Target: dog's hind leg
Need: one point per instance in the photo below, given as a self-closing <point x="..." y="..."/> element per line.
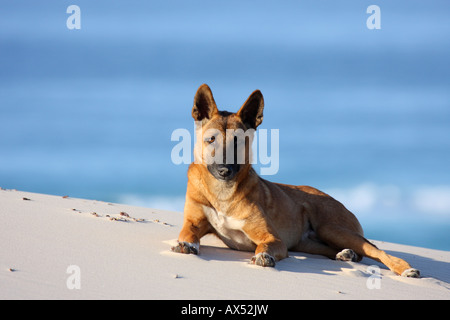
<point x="341" y="238"/>
<point x="311" y="246"/>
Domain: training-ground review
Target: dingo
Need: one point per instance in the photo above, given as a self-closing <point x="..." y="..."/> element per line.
<point x="229" y="199"/>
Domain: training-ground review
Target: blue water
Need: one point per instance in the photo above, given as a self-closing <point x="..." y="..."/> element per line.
<point x="363" y="114"/>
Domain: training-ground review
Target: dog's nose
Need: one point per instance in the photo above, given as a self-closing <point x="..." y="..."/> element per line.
<point x="224" y="170"/>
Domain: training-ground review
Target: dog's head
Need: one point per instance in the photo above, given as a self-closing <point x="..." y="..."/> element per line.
<point x="224" y="139"/>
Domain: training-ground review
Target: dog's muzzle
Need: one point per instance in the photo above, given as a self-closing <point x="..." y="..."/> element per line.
<point x="223" y="171"/>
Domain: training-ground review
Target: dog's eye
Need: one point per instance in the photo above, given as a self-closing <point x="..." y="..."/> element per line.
<point x="211" y="139"/>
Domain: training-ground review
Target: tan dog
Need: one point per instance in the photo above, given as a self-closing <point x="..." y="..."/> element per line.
<point x="252" y="214"/>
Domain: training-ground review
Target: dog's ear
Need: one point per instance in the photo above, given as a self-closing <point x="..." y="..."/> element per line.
<point x="251" y="112"/>
<point x="204" y="104"/>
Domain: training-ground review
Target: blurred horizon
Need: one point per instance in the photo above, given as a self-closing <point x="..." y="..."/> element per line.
<point x="363" y="115"/>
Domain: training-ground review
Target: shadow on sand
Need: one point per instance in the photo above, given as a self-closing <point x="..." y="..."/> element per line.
<point x="307" y="263"/>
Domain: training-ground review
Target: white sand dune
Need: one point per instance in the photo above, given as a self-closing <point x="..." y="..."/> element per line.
<point x="64" y="248"/>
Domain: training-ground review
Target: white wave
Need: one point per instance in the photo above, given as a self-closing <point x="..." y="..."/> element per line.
<point x="433" y="199"/>
<point x="369" y="198"/>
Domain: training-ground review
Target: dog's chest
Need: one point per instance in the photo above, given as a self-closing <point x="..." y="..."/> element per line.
<point x="229" y="230"/>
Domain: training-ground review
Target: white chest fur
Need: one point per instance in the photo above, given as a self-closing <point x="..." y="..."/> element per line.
<point x="230" y="230"/>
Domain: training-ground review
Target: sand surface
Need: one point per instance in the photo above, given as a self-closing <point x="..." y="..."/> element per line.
<point x="55" y="247"/>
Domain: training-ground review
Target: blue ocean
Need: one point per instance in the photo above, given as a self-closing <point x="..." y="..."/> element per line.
<point x="363" y="114"/>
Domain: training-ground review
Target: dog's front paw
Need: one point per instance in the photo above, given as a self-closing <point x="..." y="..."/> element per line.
<point x="186" y="247"/>
<point x="264" y="260"/>
<point x="347" y="255"/>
